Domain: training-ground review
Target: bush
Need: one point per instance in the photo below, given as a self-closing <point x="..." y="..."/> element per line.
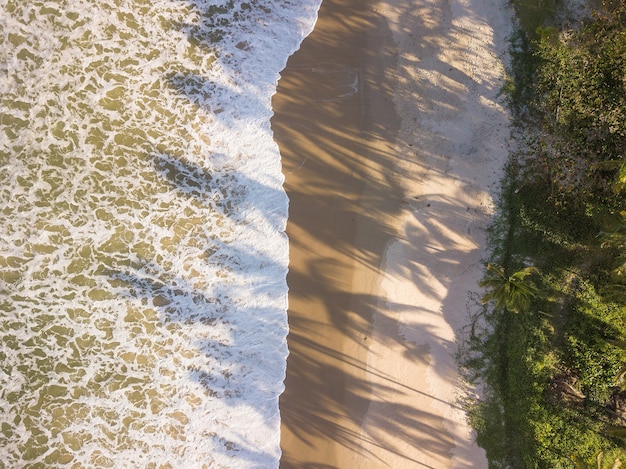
<point x="552" y="368"/>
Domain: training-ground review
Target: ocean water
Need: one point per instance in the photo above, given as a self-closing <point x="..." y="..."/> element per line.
<point x="142" y="248"/>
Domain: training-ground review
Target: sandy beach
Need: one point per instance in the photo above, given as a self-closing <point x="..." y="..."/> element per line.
<point x="393" y="140"/>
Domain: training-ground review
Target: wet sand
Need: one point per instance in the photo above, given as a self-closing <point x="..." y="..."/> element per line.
<point x="392" y="142"/>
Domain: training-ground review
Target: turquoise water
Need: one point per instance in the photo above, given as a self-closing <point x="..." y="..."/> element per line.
<point x="142" y="246"/>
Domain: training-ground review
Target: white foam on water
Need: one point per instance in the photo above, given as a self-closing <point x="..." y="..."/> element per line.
<point x="142" y="251"/>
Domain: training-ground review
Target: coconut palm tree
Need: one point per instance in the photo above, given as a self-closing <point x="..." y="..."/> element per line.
<point x="511" y="292"/>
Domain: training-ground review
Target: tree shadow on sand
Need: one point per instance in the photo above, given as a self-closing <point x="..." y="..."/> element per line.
<point x="346" y="189"/>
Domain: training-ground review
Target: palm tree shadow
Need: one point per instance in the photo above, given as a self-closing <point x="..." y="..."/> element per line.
<point x="233" y="343"/>
<point x="225" y="338"/>
<point x="340" y="216"/>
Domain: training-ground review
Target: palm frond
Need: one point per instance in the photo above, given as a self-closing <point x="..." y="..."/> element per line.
<point x="513" y="292"/>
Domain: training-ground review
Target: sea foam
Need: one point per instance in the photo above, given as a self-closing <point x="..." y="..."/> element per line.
<point x="142" y="254"/>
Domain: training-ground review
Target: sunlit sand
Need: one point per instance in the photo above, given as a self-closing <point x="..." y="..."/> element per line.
<point x="391" y="190"/>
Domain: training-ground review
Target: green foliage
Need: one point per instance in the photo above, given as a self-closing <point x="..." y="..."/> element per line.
<point x="620" y="168"/>
<point x="614" y="239"/>
<point x="616" y="432"/>
<point x="511" y="292"/>
<point x="588" y="349"/>
<point x="554" y="375"/>
<point x="580" y="99"/>
<point x="532" y="14"/>
<point x="600" y="462"/>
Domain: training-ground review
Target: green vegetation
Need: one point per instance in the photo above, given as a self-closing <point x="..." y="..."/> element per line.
<point x="510" y="292"/>
<point x="555" y="372"/>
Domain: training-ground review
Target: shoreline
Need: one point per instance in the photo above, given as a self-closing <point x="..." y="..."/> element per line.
<point x="392" y="143"/>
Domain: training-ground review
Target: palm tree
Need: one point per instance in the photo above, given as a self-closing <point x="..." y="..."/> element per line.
<point x="511" y="292"/>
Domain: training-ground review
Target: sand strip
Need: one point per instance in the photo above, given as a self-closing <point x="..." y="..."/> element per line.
<point x="392" y="141"/>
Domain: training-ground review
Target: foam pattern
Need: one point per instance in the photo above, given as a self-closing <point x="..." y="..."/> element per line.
<point x="142" y="247"/>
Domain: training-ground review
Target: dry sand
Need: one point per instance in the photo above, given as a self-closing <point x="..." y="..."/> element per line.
<point x="393" y="140"/>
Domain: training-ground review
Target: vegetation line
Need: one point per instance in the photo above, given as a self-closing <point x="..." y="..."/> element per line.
<point x="552" y="353"/>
